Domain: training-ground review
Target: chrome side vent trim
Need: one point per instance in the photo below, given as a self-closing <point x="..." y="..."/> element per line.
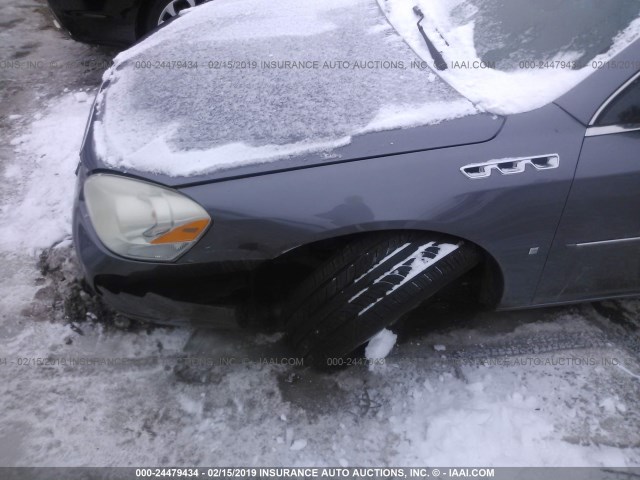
<point x="510" y="166"/>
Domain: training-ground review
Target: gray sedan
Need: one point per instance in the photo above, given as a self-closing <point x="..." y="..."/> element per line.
<point x="324" y="169"/>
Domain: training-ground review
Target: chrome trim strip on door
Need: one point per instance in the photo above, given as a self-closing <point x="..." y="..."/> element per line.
<point x="605" y="242"/>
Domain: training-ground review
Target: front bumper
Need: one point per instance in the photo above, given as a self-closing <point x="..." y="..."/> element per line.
<point x="213" y="294"/>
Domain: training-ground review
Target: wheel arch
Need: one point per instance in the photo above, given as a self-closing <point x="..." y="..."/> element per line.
<point x="490" y="273"/>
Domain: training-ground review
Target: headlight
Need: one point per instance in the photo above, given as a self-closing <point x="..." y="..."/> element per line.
<point x="140" y="220"/>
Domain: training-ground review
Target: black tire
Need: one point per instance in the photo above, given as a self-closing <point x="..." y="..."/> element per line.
<point x="363" y="289"/>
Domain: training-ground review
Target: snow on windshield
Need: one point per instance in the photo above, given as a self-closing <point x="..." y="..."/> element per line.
<point x="271" y="81"/>
<point x="512" y="56"/>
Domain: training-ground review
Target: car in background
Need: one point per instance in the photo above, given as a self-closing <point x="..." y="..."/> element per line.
<point x="117" y="23"/>
<point x="304" y="167"/>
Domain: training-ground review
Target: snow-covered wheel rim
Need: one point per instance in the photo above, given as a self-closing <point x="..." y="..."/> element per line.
<point x="175" y="7"/>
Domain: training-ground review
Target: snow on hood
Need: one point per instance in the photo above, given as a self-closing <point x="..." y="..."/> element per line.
<point x="244" y="105"/>
<point x="498" y="91"/>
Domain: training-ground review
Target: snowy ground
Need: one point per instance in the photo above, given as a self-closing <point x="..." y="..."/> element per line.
<point x="547" y="387"/>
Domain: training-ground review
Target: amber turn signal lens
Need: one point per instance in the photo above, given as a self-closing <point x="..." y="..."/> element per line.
<point x="184" y="233"/>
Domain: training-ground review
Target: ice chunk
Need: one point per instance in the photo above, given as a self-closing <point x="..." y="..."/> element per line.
<point x="81" y="96"/>
<point x="380" y="345"/>
<point x="298" y="444"/>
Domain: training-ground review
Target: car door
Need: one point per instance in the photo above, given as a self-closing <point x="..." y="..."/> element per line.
<point x="596" y="250"/>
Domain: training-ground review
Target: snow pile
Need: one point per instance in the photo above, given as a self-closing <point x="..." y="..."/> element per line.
<point x="520" y="88"/>
<point x="48" y="153"/>
<point x="613" y="404"/>
<point x="490" y="420"/>
<point x="270" y="83"/>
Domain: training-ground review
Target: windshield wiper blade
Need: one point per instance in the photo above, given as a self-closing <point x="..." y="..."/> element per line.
<point x="437" y="57"/>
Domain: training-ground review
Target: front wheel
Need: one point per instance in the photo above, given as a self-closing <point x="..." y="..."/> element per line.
<point x="367" y="286"/>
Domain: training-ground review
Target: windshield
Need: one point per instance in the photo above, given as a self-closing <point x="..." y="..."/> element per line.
<point x="509" y="33"/>
<point x="513" y="56"/>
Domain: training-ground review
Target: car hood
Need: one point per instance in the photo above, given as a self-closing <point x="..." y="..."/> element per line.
<point x="239" y="88"/>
